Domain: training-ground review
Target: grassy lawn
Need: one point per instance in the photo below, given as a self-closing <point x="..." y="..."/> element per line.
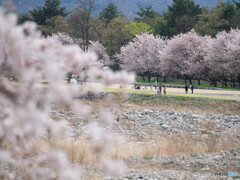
<point x="225" y="94"/>
<point x="182" y="82"/>
<point x="180" y="92"/>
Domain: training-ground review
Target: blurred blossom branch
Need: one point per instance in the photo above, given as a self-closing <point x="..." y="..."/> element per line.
<point x="24" y="112"/>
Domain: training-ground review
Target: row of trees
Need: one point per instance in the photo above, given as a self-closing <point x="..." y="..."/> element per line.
<point x="185" y="15"/>
<point x="189" y="56"/>
<point x="113" y="29"/>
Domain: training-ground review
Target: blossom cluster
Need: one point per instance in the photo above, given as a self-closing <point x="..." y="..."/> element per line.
<point x="189" y="54"/>
<point x="25" y="103"/>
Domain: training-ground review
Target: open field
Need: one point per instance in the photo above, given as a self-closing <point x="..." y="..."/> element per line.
<point x="201" y="93"/>
<point x="198" y="93"/>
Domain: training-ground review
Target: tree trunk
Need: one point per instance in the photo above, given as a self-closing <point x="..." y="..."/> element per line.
<point x="149" y="76"/>
<point x="165" y="79"/>
<point x="157" y="78"/>
<point x="87" y="39"/>
<point x="199" y="83"/>
<point x="215" y="83"/>
<point x="225" y="82"/>
<point x="84" y="47"/>
<point x="143" y="77"/>
<point x="185" y="79"/>
<point x="190" y="80"/>
<point x="239" y="80"/>
<point x="233" y="81"/>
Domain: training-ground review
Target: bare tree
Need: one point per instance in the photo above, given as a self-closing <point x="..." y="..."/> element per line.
<point x="79" y="20"/>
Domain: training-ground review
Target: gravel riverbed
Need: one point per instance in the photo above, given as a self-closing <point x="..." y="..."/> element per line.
<point x="144" y="126"/>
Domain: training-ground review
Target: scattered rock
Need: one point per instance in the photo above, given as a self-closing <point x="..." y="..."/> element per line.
<point x="164" y="126"/>
<point x="233" y="150"/>
<point x="140" y="123"/>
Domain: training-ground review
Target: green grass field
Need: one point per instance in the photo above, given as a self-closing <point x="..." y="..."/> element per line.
<point x="182" y="82"/>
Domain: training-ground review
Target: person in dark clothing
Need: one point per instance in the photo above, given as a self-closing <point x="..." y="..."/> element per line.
<point x="191" y="86"/>
<point x="186" y="89"/>
<point x="160" y="90"/>
<point x="139" y="86"/>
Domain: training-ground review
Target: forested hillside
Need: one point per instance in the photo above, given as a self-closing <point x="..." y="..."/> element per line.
<point x="129" y="7"/>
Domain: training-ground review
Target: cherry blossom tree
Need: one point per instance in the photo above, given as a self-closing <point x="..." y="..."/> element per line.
<point x="189" y="56"/>
<point x="64" y="38"/>
<point x="142" y="55"/>
<point x="101" y="52"/>
<point x="25" y="105"/>
<point x="223" y="56"/>
<point x="94" y="46"/>
<point x="103" y="60"/>
<point x="184" y="55"/>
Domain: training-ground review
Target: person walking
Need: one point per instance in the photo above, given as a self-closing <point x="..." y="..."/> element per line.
<point x="191" y="86"/>
<point x="164" y="90"/>
<point x="139" y="86"/>
<point x="73" y="79"/>
<point x="146" y="86"/>
<point x="155" y="85"/>
<point x="160" y="90"/>
<point x="135" y="85"/>
<point x="186" y="88"/>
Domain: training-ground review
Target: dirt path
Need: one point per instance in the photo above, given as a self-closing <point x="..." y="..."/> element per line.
<point x="215" y="94"/>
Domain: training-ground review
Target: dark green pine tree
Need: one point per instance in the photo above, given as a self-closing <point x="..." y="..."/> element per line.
<point x="228" y="13"/>
<point x="180" y="18"/>
<point x="145" y="13"/>
<point x="38" y="16"/>
<point x="237" y="4"/>
<point x="50" y="9"/>
<point x="109" y="13"/>
<point x="24" y="17"/>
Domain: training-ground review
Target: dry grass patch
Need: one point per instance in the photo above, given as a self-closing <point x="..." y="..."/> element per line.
<point x="177" y="144"/>
<point x="78" y="151"/>
<point x="81" y="151"/>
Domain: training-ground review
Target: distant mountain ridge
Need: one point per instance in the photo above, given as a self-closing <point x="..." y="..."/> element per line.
<point x="129" y="7"/>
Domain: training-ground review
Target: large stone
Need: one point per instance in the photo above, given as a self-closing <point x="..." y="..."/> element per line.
<point x="164" y="126"/>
